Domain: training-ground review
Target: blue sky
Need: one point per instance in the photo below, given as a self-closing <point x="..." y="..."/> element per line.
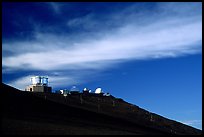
<point x="149" y="54"/>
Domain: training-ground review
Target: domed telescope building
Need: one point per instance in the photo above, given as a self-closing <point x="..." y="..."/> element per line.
<point x="39" y="84"/>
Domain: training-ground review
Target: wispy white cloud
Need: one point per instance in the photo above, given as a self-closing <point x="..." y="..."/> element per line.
<point x="155" y="42"/>
<point x="20" y="83"/>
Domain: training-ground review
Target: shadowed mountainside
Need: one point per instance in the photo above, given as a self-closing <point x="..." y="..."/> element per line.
<point x="31" y="113"/>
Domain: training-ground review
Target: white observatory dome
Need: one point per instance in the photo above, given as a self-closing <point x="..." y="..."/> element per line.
<point x="98" y="91"/>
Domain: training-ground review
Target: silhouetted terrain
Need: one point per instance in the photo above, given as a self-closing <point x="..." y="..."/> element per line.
<point x="27" y="113"/>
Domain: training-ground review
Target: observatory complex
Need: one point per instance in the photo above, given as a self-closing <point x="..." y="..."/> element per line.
<point x="39" y="84"/>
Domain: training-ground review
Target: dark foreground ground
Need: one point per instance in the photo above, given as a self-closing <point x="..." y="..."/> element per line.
<point x="25" y="113"/>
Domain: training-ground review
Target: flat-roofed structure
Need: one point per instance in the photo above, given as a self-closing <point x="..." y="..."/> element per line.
<point x="39" y="84"/>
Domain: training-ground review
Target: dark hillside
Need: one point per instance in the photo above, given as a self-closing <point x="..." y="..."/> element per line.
<point x="48" y="113"/>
